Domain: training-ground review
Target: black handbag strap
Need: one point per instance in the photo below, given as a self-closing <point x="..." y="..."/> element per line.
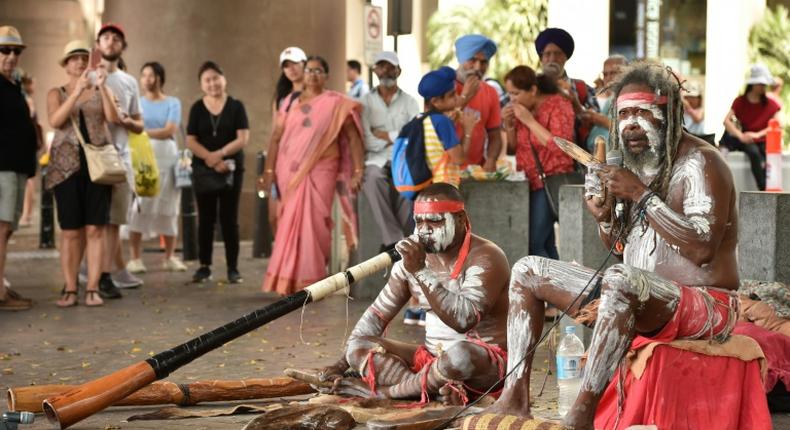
<point x="538" y="164"/>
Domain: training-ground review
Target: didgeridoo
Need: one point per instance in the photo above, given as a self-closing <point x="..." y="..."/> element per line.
<point x="166" y="392"/>
<point x="85" y="400"/>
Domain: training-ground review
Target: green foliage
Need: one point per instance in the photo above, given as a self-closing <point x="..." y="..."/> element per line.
<point x="512" y="24"/>
<point x="769" y="43"/>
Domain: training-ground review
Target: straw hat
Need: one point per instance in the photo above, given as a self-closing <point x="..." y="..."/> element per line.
<point x="73" y="48"/>
<point x="9" y="36"/>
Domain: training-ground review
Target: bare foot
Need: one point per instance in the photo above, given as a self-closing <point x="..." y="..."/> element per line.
<point x="450" y="397"/>
<point x="92" y="298"/>
<point x="575" y="420"/>
<point x="67" y="299"/>
<point x="510" y="403"/>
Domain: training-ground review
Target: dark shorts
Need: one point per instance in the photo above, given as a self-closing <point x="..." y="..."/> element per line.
<point x="80" y="202"/>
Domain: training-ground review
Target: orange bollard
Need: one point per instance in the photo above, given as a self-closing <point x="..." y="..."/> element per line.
<point x="773" y="157"/>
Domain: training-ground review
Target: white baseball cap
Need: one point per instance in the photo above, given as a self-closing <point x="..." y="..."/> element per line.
<point x="292" y="53"/>
<point x="760" y="75"/>
<point x="387" y="56"/>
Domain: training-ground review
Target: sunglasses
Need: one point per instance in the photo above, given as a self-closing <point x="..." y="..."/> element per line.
<point x="7" y="50"/>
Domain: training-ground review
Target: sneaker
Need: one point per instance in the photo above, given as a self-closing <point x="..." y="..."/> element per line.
<point x="135" y="266"/>
<point x="202" y="274"/>
<point x="107" y="288"/>
<point x="234" y="277"/>
<point x="82" y="277"/>
<point x="12" y="304"/>
<point x="411" y="317"/>
<point x="123" y="279"/>
<point x="421" y="322"/>
<point x="174" y="264"/>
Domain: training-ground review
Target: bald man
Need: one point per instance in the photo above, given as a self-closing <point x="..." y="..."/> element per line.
<point x="462" y="280"/>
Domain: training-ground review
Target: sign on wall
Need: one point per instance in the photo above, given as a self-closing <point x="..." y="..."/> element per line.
<point x="373" y="33"/>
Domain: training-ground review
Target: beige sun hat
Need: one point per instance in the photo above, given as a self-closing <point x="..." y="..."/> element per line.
<point x="73" y="48"/>
<point x="9" y="36"/>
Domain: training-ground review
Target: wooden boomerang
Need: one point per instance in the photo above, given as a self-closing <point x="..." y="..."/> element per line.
<point x="576" y="152"/>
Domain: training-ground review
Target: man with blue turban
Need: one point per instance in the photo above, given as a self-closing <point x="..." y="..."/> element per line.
<point x="555" y="47"/>
<point x="478" y="97"/>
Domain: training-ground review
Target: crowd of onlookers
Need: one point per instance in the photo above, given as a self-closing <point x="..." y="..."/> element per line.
<point x="324" y="145"/>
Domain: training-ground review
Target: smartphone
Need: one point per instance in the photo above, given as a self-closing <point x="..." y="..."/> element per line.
<point x="94" y="58"/>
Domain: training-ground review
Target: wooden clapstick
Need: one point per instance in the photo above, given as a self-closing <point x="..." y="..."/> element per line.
<point x="600" y="149"/>
<point x="600" y="156"/>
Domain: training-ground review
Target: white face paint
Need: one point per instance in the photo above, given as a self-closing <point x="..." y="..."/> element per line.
<point x="645" y="165"/>
<point x="435" y="239"/>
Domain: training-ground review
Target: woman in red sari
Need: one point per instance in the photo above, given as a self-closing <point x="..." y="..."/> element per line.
<point x="316" y="152"/>
<point x="537" y="112"/>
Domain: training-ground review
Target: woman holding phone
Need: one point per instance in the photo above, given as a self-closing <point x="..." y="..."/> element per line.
<point x="217" y="133"/>
<point x="79" y="110"/>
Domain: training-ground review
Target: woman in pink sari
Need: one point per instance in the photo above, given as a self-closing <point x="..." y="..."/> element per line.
<point x="316" y="152"/>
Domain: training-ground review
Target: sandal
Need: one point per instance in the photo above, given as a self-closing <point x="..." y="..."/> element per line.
<point x="92" y="298"/>
<point x="66" y="300"/>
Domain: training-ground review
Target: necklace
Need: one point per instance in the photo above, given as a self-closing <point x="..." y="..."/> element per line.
<point x="211" y="116"/>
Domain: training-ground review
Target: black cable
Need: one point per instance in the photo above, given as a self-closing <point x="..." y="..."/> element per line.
<point x="540" y="341"/>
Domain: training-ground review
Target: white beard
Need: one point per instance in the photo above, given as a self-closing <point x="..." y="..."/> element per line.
<point x="647" y="163"/>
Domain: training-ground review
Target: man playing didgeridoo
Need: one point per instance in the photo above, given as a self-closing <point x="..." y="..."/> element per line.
<point x="679" y="232"/>
<point x="462" y="280"/>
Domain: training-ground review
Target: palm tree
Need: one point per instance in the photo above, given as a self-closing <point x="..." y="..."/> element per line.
<point x="769" y="43"/>
<point x="512" y="24"/>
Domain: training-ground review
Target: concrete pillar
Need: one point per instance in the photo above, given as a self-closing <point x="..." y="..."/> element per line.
<point x="369" y="243"/>
<point x="499" y="212"/>
<point x="763" y="232"/>
<point x="579" y="240"/>
<point x="592" y="44"/>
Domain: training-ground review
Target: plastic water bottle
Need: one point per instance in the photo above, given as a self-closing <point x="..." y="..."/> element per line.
<point x="569" y="376"/>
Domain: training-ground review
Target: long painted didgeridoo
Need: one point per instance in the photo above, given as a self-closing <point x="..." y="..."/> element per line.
<point x="87" y="399"/>
<point x="166" y="392"/>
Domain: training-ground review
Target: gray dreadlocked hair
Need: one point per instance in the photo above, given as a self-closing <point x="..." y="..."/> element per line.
<point x="663" y="81"/>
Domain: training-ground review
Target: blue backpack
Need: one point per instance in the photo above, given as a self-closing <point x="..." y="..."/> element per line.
<point x="410" y="170"/>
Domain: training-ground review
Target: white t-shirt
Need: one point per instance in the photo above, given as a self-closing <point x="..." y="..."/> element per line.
<point x="127" y="93"/>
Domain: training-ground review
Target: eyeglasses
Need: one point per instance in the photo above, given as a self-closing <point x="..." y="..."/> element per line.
<point x="7" y="50"/>
<point x="312" y="71"/>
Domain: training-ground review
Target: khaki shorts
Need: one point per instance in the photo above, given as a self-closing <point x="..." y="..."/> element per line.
<point x="119" y="205"/>
<point x="12" y="197"/>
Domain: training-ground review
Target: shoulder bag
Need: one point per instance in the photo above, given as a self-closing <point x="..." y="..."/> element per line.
<point x="105" y="166"/>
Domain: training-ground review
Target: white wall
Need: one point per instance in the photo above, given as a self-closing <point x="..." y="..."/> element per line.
<point x="588" y="22"/>
<point x="727" y="58"/>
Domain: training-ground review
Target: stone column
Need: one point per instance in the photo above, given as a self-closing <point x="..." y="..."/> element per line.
<point x="579" y="240"/>
<point x="763" y="236"/>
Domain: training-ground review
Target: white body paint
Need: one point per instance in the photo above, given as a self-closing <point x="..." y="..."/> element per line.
<point x="646" y="250"/>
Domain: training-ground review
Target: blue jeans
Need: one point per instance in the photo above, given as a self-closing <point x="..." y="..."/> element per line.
<point x="541" y="226"/>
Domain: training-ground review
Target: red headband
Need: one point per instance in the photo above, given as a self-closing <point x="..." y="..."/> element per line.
<point x="437" y="207"/>
<point x="642" y="97"/>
